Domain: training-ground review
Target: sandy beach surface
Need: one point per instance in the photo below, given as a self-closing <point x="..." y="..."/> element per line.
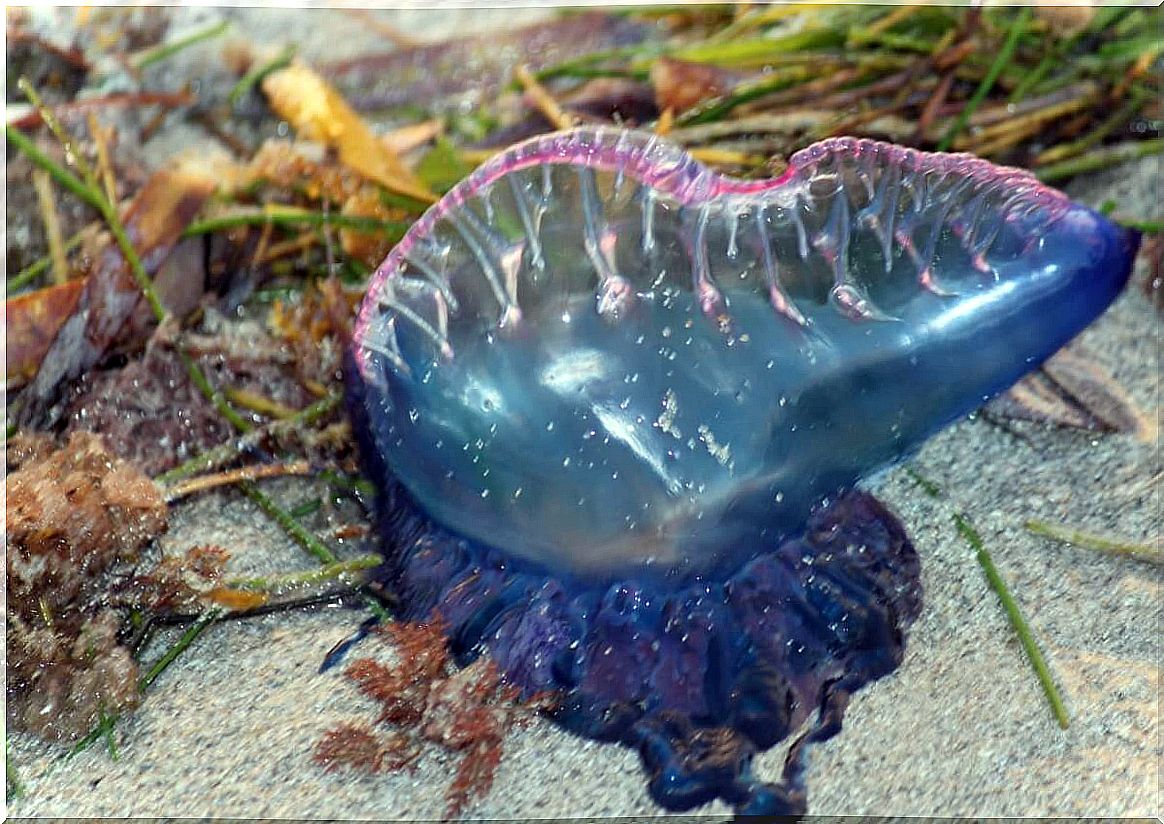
<point x="962" y="728"/>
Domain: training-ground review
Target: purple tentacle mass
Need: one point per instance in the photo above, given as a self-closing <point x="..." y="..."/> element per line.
<point x="617" y="405"/>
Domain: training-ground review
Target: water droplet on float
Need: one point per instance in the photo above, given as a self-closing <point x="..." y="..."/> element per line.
<point x="581" y="367"/>
<point x="413" y="415"/>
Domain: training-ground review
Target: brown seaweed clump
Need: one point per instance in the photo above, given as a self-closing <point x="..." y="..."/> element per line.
<point x="73" y="515"/>
<point x="466" y="711"/>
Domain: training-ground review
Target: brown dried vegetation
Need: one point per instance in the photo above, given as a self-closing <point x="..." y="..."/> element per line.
<point x="358" y="747"/>
<point x="75" y="333"/>
<point x="77" y="519"/>
<point x="177" y="582"/>
<point x="1072" y="390"/>
<point x="313" y="328"/>
<point x="680" y="85"/>
<point x="465" y="711"/>
<point x="148" y="411"/>
<point x="73" y="515"/>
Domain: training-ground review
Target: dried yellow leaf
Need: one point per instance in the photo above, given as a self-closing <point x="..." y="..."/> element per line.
<point x="412" y="136"/>
<point x="318" y="112"/>
<point x="236" y="600"/>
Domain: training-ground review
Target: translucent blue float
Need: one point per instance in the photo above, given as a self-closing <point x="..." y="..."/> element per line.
<point x="617" y="406"/>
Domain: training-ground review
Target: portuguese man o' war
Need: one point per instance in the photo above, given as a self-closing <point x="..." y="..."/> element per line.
<point x="617" y="407"/>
